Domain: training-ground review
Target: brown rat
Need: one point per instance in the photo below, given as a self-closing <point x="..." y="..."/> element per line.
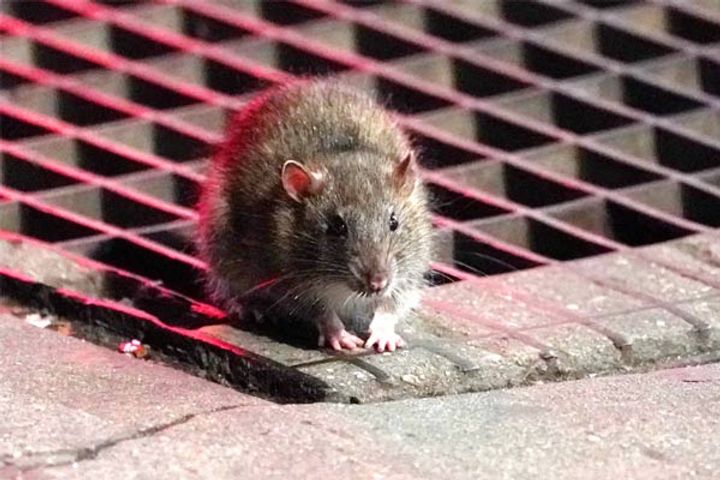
<point x="314" y="204"/>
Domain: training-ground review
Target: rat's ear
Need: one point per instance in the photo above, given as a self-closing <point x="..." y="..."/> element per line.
<point x="299" y="182"/>
<point x="405" y="174"/>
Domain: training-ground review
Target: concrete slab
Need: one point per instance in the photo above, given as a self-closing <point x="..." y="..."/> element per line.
<point x="544" y="324"/>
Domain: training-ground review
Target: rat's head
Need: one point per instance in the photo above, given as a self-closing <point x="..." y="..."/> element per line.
<point x="360" y="222"/>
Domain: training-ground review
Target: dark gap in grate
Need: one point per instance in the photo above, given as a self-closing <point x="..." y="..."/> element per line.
<point x="601" y="170"/>
<point x="436" y="154"/>
<point x="627" y="47"/>
<point x="173" y="273"/>
<point x="364" y="3"/>
<point x="121" y="3"/>
<point x="131" y="45"/>
<point x="60" y="62"/>
<point x="685" y="155"/>
<point x="382" y="46"/>
<point x="552" y="64"/>
<point x="79" y="111"/>
<point x="529" y="13"/>
<point x="505" y="135"/>
<point x="12" y="128"/>
<point x="692" y="28"/>
<point x="659" y="101"/>
<point x="208" y="29"/>
<point x="167" y="187"/>
<point x="607" y="4"/>
<point x="104" y="162"/>
<point x="580" y="117"/>
<point x="28" y="177"/>
<point x="156" y="96"/>
<point x="710" y="76"/>
<point x="177" y="146"/>
<point x="10" y="80"/>
<point x="37" y="12"/>
<point x="49" y="227"/>
<point x="459" y="207"/>
<point x="407" y="100"/>
<point x="635" y="229"/>
<point x="700" y="206"/>
<point x="557" y="244"/>
<point x="126" y="213"/>
<point x="299" y="62"/>
<point x="534" y="191"/>
<point x="435" y="278"/>
<point x="481" y="82"/>
<point x="227" y="80"/>
<point x="287" y="13"/>
<point x="481" y="259"/>
<point x="176" y="237"/>
<point x="453" y="29"/>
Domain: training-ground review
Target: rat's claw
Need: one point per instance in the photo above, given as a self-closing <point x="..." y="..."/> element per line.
<point x="341" y="339"/>
<point x="385" y="341"/>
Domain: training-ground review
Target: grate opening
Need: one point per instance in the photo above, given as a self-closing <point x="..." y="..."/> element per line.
<point x="227" y="80"/>
<point x="453" y="29"/>
<point x="580" y="117"/>
<point x="58" y="61"/>
<point x="293" y="60"/>
<point x="156" y="96"/>
<point x="9" y="81"/>
<point x="607" y="4"/>
<point x="460" y="207"/>
<point x="381" y="46"/>
<point x="557" y="244"/>
<point x="435" y="154"/>
<point x="49" y="227"/>
<point x="407" y="100"/>
<point x="126" y="213"/>
<point x="287" y="13"/>
<point x="29" y="177"/>
<point x="618" y="222"/>
<point x="547" y="62"/>
<point x="626" y="47"/>
<point x="659" y="101"/>
<point x="167" y="187"/>
<point x="685" y="155"/>
<point x="529" y="13"/>
<point x="481" y="259"/>
<point x="710" y="76"/>
<point x="131" y="45"/>
<point x="534" y="191"/>
<point x="209" y="29"/>
<point x="177" y="146"/>
<point x="173" y="273"/>
<point x="177" y="236"/>
<point x="36" y="11"/>
<point x="103" y="162"/>
<point x="12" y="128"/>
<point x="505" y="135"/>
<point x="79" y="111"/>
<point x="481" y="82"/>
<point x="692" y="28"/>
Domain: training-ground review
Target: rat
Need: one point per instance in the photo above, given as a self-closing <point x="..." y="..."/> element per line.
<point x="314" y="205"/>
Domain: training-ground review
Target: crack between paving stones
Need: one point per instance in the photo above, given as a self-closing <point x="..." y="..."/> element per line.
<point x="89" y="453"/>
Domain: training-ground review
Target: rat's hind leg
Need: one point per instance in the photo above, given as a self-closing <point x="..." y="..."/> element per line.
<point x="333" y="333"/>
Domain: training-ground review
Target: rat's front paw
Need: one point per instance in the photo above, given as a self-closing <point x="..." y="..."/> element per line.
<point x="384" y="340"/>
<point x="339" y="339"/>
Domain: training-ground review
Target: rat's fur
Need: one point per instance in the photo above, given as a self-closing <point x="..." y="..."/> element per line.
<point x="251" y="231"/>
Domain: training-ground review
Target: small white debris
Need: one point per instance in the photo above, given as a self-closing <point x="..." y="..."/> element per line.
<point x="37" y="320"/>
<point x="411" y="379"/>
<point x="572" y="306"/>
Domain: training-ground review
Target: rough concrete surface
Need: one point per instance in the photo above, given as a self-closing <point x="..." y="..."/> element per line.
<point x="74" y="410"/>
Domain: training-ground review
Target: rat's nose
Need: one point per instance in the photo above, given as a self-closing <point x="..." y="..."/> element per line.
<point x="377" y="282"/>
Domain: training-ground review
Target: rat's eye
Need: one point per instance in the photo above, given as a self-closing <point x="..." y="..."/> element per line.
<point x="394" y="223"/>
<point x="336" y="226"/>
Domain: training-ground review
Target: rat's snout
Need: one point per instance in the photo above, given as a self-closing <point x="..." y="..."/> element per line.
<point x="377" y="282"/>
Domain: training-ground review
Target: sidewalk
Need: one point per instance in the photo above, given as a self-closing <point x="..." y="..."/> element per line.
<point x="75" y="410"/>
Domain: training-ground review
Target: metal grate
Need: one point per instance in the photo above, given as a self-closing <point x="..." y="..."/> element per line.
<point x="550" y="131"/>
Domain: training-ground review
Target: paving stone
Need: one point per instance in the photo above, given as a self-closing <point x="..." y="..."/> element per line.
<point x="579" y="349"/>
<point x="565" y="289"/>
<point x="707" y="310"/>
<point x="655" y="334"/>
